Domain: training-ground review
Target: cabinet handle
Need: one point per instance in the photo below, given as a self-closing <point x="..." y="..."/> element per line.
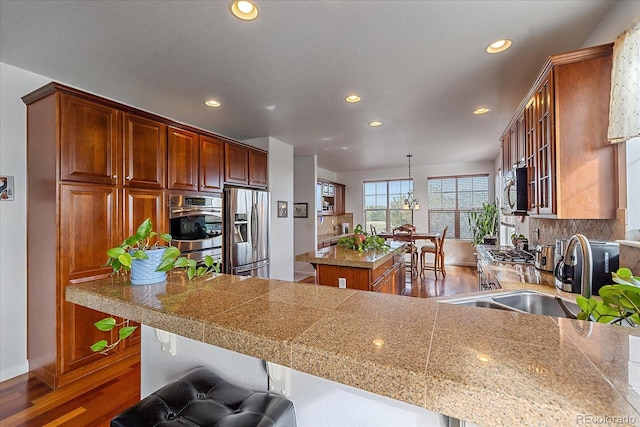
<point x="128" y="178"/>
<point x="115" y="177"/>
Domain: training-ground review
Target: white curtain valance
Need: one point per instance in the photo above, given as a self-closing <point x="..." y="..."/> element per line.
<point x="624" y="107"/>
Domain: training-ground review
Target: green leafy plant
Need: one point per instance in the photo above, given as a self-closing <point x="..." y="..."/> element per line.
<point x="483" y="222"/>
<point x="106" y="325"/>
<point x="144" y="239"/>
<point x="362" y="241"/>
<point x="136" y="247"/>
<point x="619" y="304"/>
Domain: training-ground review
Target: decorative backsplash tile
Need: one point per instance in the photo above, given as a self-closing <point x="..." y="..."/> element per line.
<point x="594" y="229"/>
<point x="329" y="222"/>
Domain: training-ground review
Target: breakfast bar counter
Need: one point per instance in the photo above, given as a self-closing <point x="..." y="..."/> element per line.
<point x="490" y="367"/>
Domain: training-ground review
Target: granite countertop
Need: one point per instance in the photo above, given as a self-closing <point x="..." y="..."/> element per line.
<point x="338" y="255"/>
<point x="491" y="367"/>
<point x="322" y="238"/>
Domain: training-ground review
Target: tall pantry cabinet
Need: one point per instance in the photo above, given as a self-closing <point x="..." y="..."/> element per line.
<point x="94" y="173"/>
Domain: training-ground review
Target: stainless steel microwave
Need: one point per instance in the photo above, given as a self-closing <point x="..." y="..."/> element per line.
<point x="514" y="192"/>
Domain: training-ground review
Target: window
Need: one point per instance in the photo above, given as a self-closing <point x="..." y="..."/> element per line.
<point x="452" y="198"/>
<point x="383" y="204"/>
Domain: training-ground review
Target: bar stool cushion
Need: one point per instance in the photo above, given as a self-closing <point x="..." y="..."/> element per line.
<point x="202" y="398"/>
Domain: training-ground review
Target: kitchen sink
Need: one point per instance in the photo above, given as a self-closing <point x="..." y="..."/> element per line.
<point x="522" y="301"/>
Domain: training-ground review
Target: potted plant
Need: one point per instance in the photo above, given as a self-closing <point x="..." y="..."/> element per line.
<point x="143" y="250"/>
<point x="619" y="304"/>
<point x="362" y="241"/>
<point x="483" y="224"/>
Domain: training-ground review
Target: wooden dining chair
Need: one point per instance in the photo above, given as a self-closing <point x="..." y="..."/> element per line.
<point x="437" y="250"/>
<point x="405" y="233"/>
<point x="373" y="230"/>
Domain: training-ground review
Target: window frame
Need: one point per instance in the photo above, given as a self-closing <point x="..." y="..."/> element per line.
<point x="388" y="210"/>
<point x="457" y="212"/>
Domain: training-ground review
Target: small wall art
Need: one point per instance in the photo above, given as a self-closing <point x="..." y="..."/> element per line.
<point x="283" y="209"/>
<point x="6" y="188"/>
<point x="300" y="210"/>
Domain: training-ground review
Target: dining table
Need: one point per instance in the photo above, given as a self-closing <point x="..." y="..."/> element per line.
<point x="410" y="237"/>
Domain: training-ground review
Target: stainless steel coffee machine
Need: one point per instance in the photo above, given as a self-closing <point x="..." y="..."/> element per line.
<point x="569" y="277"/>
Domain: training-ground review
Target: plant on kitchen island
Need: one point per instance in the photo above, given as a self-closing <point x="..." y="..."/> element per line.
<point x="135" y="247"/>
<point x="362" y="241"/>
<point x="620" y="303"/>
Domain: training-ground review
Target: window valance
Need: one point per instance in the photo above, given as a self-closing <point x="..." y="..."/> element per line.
<point x="624" y="107"/>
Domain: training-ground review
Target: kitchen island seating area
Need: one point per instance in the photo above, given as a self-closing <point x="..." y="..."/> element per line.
<point x="412" y="235"/>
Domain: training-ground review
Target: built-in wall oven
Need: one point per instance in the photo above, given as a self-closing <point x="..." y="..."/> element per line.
<point x="196" y="226"/>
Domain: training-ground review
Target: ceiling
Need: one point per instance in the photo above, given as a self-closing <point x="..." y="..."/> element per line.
<point x="419" y="66"/>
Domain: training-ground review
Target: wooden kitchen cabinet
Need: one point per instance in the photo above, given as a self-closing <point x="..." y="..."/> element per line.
<point x="183" y="160"/>
<point x="144" y="159"/>
<point x="571" y="166"/>
<point x="211" y="164"/>
<point x="95" y="170"/>
<point x="244" y="165"/>
<point x="333" y="194"/>
<point x="257" y="168"/>
<point x="89" y="141"/>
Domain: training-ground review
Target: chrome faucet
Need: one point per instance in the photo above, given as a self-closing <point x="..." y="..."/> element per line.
<point x="570" y="258"/>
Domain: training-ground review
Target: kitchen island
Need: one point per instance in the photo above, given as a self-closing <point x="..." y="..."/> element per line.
<point x="377" y="271"/>
<point x="490" y="367"/>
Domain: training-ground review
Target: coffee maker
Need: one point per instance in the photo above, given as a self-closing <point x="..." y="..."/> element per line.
<point x="605" y="260"/>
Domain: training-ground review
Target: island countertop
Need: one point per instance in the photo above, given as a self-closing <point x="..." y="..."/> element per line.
<point x="491" y="367"/>
<point x="341" y="256"/>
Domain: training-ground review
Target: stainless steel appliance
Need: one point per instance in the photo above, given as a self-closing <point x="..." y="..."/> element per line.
<point x="246" y="241"/>
<point x="511" y="256"/>
<point x="514" y="192"/>
<point x="605" y="260"/>
<point x="545" y="257"/>
<point x="196" y="226"/>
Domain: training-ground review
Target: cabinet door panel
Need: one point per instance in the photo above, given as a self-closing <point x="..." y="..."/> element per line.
<point x="236" y="163"/>
<point x="88" y="227"/>
<point x="144" y="153"/>
<point x="257" y="168"/>
<point x="88" y="146"/>
<point x="546" y="132"/>
<point x="182" y="160"/>
<point x="211" y="163"/>
<point x="140" y="204"/>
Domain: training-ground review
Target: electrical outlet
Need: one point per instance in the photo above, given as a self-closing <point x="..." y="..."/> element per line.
<point x="342" y="283"/>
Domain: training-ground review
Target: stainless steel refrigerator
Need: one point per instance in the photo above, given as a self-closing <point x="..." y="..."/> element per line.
<point x="246" y="243"/>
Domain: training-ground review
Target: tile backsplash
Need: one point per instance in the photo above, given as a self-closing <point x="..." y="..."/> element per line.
<point x="543" y="231"/>
<point x="329" y="222"/>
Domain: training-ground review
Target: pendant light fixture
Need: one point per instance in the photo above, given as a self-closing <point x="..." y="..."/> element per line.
<point x="410" y="202"/>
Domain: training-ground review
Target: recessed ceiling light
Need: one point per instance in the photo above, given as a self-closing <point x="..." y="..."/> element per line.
<point x="212" y="103"/>
<point x="499" y="46"/>
<point x="244" y="9"/>
<point x="482" y="111"/>
<point x="375" y="124"/>
<point x="352" y="99"/>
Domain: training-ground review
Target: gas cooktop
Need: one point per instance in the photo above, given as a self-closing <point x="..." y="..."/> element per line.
<point x="511" y="256"/>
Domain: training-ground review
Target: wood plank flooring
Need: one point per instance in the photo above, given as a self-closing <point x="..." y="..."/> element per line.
<point x="91" y="401"/>
<point x="95" y="399"/>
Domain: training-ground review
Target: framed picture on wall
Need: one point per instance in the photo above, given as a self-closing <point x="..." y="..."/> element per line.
<point x="300" y="210"/>
<point x="283" y="209"/>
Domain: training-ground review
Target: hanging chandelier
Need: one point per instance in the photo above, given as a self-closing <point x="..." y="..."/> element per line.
<point x="410" y="202"/>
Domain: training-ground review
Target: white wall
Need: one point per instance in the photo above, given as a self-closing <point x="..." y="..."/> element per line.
<point x="14" y="83"/>
<point x="281" y="188"/>
<point x="457" y="252"/>
<point x="305" y="192"/>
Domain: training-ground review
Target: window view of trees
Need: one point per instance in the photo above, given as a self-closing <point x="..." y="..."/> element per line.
<point x="383" y="204"/>
<point x="452" y="198"/>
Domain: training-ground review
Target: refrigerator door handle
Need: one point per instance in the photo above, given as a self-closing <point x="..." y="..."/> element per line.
<point x="254" y="226"/>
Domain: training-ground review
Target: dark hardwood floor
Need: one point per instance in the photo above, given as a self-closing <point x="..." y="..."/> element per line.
<point x="91" y="401"/>
<point x="95" y="399"/>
